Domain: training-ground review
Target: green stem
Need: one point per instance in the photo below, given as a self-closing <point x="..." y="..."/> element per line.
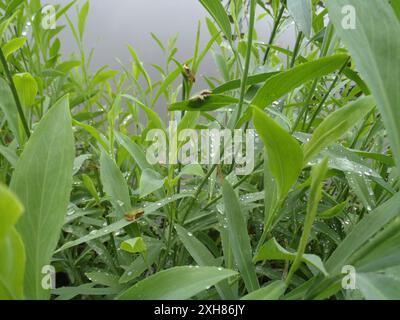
<point x="273" y="34"/>
<point x="320" y="106"/>
<point x="14" y="93"/>
<point x="248" y="58"/>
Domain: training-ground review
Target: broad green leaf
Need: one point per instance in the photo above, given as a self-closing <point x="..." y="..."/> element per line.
<point x="285" y="156"/>
<point x="27" y="88"/>
<point x="114" y="185"/>
<point x="336" y="125"/>
<point x="42" y="181"/>
<point x="381" y="252"/>
<point x="13" y="45"/>
<point x="217" y="11"/>
<point x="179" y="283"/>
<point x="272" y="250"/>
<point x="273" y="291"/>
<point x="150" y="181"/>
<point x="239" y="238"/>
<point x="302" y="13"/>
<point x="284" y="82"/>
<point x="210" y="103"/>
<point x="375" y="286"/>
<point x="12" y="252"/>
<point x="396" y="7"/>
<point x="135" y="245"/>
<point x="376" y="53"/>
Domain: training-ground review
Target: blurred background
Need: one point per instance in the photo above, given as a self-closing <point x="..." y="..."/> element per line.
<point x="111" y="25"/>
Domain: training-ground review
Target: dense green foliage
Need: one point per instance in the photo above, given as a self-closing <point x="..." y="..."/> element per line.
<point x="78" y="193"/>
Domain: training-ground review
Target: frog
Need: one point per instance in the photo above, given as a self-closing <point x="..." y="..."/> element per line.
<point x="201" y="97"/>
<point x="189" y="74"/>
<point x="134" y="215"/>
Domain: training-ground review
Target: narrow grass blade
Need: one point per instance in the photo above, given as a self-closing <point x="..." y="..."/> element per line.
<point x="239" y="238"/>
<point x="179" y="283"/>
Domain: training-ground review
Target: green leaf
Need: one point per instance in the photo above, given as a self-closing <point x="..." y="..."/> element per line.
<point x="239" y="238"/>
<point x="301" y="10"/>
<point x="396" y="7"/>
<point x="114" y="185"/>
<point x="285" y="156"/>
<point x="317" y="178"/>
<point x="103" y="76"/>
<point x="217" y="11"/>
<point x="375" y="286"/>
<point x="284" y="82"/>
<point x="140" y="265"/>
<point x="273" y="291"/>
<point x="336" y="125"/>
<point x="203" y="258"/>
<point x="376" y="53"/>
<point x="67" y="66"/>
<point x="121" y="224"/>
<point x="334" y="211"/>
<point x="192" y="170"/>
<point x="368" y="227"/>
<point x="166" y="83"/>
<point x="272" y="250"/>
<point x="27" y="88"/>
<point x="179" y="283"/>
<point x="12" y="252"/>
<point x="8" y="107"/>
<point x="9" y="154"/>
<point x="210" y="103"/>
<point x="82" y="18"/>
<point x="135" y="245"/>
<point x="13" y="45"/>
<point x="251" y="80"/>
<point x="139" y="64"/>
<point x="43" y="181"/>
<point x="150" y="181"/>
<point x="10" y="211"/>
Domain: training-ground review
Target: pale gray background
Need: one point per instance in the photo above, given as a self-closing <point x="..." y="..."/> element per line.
<point x="112" y="24"/>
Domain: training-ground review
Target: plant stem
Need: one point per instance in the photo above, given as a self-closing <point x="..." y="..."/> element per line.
<point x="320" y="106"/>
<point x="273" y="34"/>
<point x="296" y="49"/>
<point x="248" y="58"/>
<point x="14" y="93"/>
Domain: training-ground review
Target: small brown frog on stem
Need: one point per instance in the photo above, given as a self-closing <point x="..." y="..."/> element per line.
<point x="189" y="74"/>
<point x="134" y="215"/>
<point x="201" y="97"/>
